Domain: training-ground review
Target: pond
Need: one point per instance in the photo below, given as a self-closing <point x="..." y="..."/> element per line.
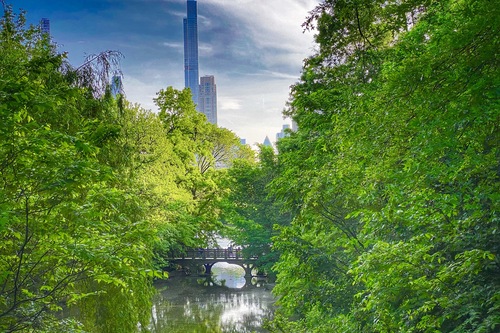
<point x="226" y="302"/>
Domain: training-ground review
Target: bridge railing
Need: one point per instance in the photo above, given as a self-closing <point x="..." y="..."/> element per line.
<point x="216" y="254"/>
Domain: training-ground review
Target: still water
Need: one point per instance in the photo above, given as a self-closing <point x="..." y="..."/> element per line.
<point x="223" y="303"/>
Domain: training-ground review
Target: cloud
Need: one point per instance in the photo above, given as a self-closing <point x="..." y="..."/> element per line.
<point x="205" y="50"/>
<point x="273" y="74"/>
<point x="255" y="36"/>
<point x="254" y="48"/>
<point x="269" y="24"/>
<point x="173" y="45"/>
<point x="228" y="103"/>
<point x="258" y="48"/>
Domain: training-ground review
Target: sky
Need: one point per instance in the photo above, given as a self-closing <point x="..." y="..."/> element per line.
<point x="254" y="48"/>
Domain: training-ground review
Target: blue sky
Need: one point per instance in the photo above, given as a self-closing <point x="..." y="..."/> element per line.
<point x="254" y="48"/>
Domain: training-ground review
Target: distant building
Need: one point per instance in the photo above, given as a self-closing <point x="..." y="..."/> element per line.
<point x="283" y="132"/>
<point x="243" y="141"/>
<point x="191" y="76"/>
<point x="116" y="85"/>
<point x="45" y="26"/>
<point x="295" y="127"/>
<point x="267" y="142"/>
<point x="207" y="100"/>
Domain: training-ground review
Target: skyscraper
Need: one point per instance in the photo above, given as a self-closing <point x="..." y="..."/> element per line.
<point x="283" y="132"/>
<point x="191" y="77"/>
<point x="45" y="26"/>
<point x="207" y="102"/>
<point x="116" y="85"/>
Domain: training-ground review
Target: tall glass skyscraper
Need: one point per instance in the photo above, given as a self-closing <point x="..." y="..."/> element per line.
<point x="191" y="76"/>
<point x="208" y="98"/>
<point x="45" y="26"/>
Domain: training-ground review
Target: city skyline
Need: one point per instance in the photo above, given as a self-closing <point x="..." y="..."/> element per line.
<point x="255" y="52"/>
<point x="203" y="89"/>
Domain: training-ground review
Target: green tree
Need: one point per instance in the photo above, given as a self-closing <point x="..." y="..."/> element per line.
<point x="200" y="151"/>
<point x="70" y="231"/>
<point x="393" y="174"/>
<point x="252" y="214"/>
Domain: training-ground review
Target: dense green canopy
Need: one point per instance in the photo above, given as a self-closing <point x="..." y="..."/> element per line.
<point x="94" y="191"/>
<point x="393" y="175"/>
<point x="379" y="214"/>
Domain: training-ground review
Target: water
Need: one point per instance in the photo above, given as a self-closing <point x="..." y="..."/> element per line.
<point x="223" y="303"/>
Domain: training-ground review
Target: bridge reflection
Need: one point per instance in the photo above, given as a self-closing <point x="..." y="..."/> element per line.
<point x="249" y="282"/>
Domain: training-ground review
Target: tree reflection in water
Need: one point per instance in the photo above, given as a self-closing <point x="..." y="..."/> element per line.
<point x="191" y="304"/>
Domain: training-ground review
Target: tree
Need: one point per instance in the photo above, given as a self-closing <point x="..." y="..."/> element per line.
<point x="393" y="173"/>
<point x="94" y="190"/>
<point x="251" y="214"/>
<point x="200" y="151"/>
<point x="71" y="233"/>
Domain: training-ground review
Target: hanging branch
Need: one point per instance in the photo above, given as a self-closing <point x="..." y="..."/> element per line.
<point x="95" y="72"/>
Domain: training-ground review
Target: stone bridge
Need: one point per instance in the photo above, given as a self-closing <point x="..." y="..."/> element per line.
<point x="195" y="258"/>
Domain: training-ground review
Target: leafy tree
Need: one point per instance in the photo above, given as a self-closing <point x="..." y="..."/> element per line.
<point x="93" y="188"/>
<point x="251" y="213"/>
<point x="200" y="153"/>
<point x="70" y="232"/>
<point x="225" y="148"/>
<point x="393" y="174"/>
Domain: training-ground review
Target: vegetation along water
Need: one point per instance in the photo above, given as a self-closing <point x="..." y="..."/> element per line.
<point x="380" y="213"/>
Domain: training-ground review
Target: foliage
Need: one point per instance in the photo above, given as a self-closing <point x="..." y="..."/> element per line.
<point x="95" y="191"/>
<point x="202" y="152"/>
<point x="66" y="221"/>
<point x="393" y="175"/>
<point x="250" y="212"/>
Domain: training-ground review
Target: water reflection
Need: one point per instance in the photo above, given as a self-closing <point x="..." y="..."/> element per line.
<point x="231" y="276"/>
<point x="223" y="303"/>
